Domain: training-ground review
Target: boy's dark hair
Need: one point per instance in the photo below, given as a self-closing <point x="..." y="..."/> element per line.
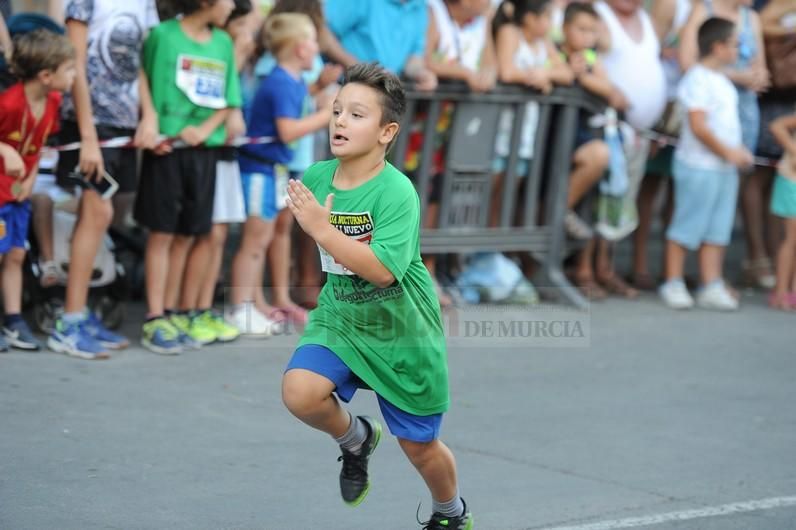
<point x="387" y="84"/>
<point x="712" y="31"/>
<point x="183" y="7"/>
<point x="39" y="50"/>
<point x="577" y="8"/>
<point x="512" y="12"/>
<point x="242" y="8"/>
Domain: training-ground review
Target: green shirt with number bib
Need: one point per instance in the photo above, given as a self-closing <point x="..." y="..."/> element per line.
<point x="190" y="80"/>
<point x="392" y="338"/>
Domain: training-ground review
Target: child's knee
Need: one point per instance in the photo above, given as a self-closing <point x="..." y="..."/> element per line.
<point x="418" y="452"/>
<point x="594" y="153"/>
<point x="14" y="258"/>
<point x="99" y="210"/>
<point x="300" y="398"/>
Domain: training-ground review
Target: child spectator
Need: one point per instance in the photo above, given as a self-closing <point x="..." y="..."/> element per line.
<point x="279" y="110"/>
<point x="107" y="36"/>
<point x="591" y="156"/>
<point x="317" y="79"/>
<point x="706" y="163"/>
<point x="189" y="86"/>
<point x="196" y="317"/>
<point x="45" y="64"/>
<point x="526" y="56"/>
<point x="367" y="227"/>
<point x="392" y="33"/>
<point x="783" y="204"/>
<point x="750" y="76"/>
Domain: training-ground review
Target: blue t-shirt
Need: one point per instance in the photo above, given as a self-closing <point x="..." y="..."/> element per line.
<point x="280" y="95"/>
<point x="387" y="31"/>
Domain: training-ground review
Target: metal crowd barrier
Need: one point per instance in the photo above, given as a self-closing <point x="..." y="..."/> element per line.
<point x="467" y="180"/>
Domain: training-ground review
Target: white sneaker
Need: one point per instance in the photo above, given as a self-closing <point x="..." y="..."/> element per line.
<point x="716" y="296"/>
<point x="250" y="321"/>
<point x="675" y="295"/>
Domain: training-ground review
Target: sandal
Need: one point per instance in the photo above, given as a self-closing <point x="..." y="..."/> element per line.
<point x="590" y="288"/>
<point x="643" y="281"/>
<point x="783" y="302"/>
<point x="758" y="273"/>
<point x="615" y="285"/>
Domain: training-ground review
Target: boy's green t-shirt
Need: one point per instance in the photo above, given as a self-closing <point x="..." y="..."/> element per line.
<point x="391" y="338"/>
<point x="190" y="80"/>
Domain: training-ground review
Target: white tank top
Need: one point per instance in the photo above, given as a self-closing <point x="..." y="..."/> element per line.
<point x="635" y="68"/>
<point x="462" y="44"/>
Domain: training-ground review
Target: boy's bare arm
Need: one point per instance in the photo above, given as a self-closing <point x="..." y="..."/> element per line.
<point x="738" y="156"/>
<point x="146" y="134"/>
<point x="291" y="129"/>
<point x="12" y="161"/>
<point x="781" y="130"/>
<point x="197" y="135"/>
<point x="354" y="255"/>
<point x="597" y="81"/>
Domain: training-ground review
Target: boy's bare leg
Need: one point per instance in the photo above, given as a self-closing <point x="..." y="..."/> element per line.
<point x="178" y="254"/>
<point x="308" y="396"/>
<point x="43" y="225"/>
<point x="93" y="220"/>
<point x="279" y="257"/>
<point x="12" y="281"/>
<point x="645" y="202"/>
<point x="195" y="272"/>
<point x="589" y="163"/>
<point x="435" y="463"/>
<point x="675" y="260"/>
<point x="249" y="261"/>
<point x="711" y="258"/>
<point x="218" y="236"/>
<point x="156" y="268"/>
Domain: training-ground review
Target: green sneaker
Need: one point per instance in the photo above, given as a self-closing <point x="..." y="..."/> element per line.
<point x="196" y="329"/>
<point x="440" y="522"/>
<point x="160" y="336"/>
<point x="224" y="332"/>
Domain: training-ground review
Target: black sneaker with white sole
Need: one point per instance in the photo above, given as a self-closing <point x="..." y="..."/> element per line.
<point x="18" y="335"/>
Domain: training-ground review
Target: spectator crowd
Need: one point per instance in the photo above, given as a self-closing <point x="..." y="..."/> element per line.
<point x="705" y="91"/>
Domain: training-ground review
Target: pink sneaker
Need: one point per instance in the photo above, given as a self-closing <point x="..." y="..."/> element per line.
<point x="295" y="314"/>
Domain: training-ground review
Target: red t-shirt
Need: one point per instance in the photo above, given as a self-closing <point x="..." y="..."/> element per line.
<point x="20" y="129"/>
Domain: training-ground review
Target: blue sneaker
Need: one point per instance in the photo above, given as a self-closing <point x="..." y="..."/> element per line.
<point x="74" y="340"/>
<point x="161" y="337"/>
<point x="106" y="337"/>
<point x="19" y="335"/>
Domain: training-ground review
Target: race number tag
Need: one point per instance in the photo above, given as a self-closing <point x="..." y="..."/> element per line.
<point x="355" y="225"/>
<point x="202" y="80"/>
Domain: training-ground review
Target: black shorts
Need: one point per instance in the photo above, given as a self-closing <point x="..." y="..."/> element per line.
<point x="176" y="192"/>
<point x="120" y="163"/>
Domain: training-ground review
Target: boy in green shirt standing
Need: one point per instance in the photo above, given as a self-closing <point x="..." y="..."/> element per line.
<point x="189" y="85"/>
<point x="377" y="324"/>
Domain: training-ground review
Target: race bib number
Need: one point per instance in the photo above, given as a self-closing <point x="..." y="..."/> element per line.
<point x="358" y="226"/>
<point x="202" y="80"/>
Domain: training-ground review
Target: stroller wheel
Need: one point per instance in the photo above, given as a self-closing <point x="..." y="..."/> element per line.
<point x="46" y="313"/>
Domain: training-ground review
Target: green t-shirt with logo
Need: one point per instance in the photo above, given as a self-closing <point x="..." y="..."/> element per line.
<point x="190" y="80"/>
<point x="391" y="338"/>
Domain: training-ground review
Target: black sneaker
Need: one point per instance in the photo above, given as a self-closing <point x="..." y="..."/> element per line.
<point x="354" y="483"/>
<point x="443" y="522"/>
<point x="18" y="335"/>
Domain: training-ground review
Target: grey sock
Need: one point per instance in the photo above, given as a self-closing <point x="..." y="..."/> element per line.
<point x="355" y="436"/>
<point x="451" y="508"/>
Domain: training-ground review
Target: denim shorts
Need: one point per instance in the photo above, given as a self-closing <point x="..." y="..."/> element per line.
<point x="323" y="361"/>
<point x="704" y="205"/>
<point x="259" y="195"/>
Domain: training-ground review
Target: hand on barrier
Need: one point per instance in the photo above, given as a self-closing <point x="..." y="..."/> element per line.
<point x="146" y="134"/>
<point x="740" y="157"/>
<point x="91" y="162"/>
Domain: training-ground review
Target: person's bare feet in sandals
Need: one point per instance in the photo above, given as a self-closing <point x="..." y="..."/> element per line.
<point x="616" y="285"/>
<point x="589" y="288"/>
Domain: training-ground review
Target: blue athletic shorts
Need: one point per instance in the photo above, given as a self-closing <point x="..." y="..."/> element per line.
<point x="323" y="361"/>
<point x="259" y="194"/>
<point x="14" y="221"/>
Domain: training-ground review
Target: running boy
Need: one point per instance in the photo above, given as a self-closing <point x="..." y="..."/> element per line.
<point x="45" y="64"/>
<point x="706" y="163"/>
<point x="189" y="86"/>
<point x="378" y="323"/>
